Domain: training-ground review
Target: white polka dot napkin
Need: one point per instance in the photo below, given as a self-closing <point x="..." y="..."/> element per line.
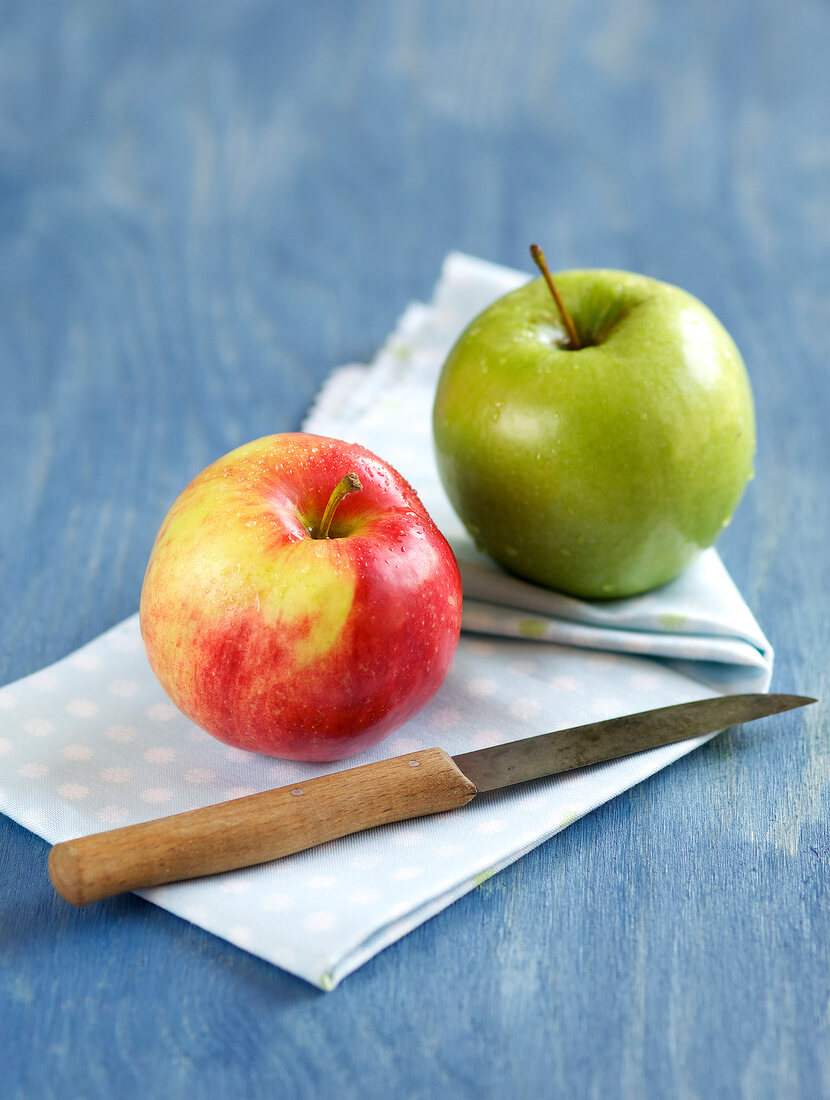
<point x="92" y="742"/>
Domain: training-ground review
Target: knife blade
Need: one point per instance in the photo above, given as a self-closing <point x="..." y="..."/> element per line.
<point x="262" y="827"/>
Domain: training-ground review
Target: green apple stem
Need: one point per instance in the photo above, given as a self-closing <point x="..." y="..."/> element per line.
<point x="540" y="261"/>
<point x="348" y="484"/>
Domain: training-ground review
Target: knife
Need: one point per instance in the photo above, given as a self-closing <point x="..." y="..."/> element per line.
<point x="262" y="827"/>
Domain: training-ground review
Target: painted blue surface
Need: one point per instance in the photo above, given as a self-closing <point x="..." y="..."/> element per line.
<point x="204" y="207"/>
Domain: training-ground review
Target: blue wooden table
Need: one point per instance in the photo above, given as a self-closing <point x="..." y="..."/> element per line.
<point x="206" y="206"/>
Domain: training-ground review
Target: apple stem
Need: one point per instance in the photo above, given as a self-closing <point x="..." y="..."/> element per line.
<point x="348" y="484"/>
<point x="539" y="258"/>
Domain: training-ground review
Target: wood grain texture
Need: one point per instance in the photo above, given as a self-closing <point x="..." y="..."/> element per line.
<point x="204" y="207"/>
<point x="258" y="827"/>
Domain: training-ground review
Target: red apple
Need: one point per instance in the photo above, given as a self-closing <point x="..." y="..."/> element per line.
<point x="277" y="640"/>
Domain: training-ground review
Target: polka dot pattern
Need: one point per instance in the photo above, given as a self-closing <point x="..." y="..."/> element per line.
<point x="160" y="754"/>
<point x="161" y="712"/>
<point x="525" y="708"/>
<point x="124" y="689"/>
<point x="320" y="922"/>
<point x="114" y="815"/>
<point x="39" y="727"/>
<point x="482" y="687"/>
<point x="77" y="752"/>
<point x="240" y="934"/>
<point x="33" y="770"/>
<point x="82" y="708"/>
<point x="46" y="682"/>
<point x="235" y="885"/>
<point x="277" y="903"/>
<point x="116" y="774"/>
<point x="363" y="897"/>
<point x="94" y="743"/>
<point x="405" y="874"/>
<point x="122" y="734"/>
<point x="156" y="794"/>
<point x="73" y="791"/>
<point x="321" y="882"/>
<point x="85" y="659"/>
<point x="199" y="775"/>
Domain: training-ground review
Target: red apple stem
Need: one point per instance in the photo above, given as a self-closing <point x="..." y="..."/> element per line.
<point x="540" y="261"/>
<point x="348" y="484"/>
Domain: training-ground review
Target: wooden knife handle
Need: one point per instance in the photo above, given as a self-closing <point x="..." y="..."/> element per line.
<point x="258" y="827"/>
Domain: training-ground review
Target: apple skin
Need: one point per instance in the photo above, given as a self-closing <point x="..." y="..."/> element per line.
<point x="300" y="647"/>
<point x="604" y="471"/>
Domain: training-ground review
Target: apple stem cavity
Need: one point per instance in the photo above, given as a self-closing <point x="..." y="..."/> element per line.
<point x="574" y="343"/>
<point x="348" y="484"/>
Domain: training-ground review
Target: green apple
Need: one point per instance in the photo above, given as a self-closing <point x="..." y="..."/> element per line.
<point x="600" y="470"/>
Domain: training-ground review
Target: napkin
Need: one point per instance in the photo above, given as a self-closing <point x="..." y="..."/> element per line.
<point x="92" y="742"/>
